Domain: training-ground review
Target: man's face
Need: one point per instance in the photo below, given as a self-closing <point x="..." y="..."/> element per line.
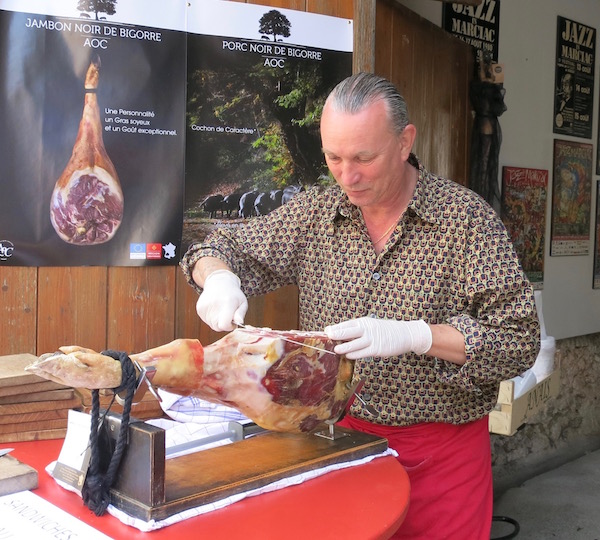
<point x="363" y="154"/>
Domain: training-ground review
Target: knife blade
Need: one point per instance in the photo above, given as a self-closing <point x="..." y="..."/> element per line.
<point x="289" y="340"/>
<point x="5" y="451"/>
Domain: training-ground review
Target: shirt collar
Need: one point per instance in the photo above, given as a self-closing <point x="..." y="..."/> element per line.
<point x="422" y="202"/>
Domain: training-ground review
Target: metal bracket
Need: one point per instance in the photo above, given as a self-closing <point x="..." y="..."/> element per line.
<point x="144" y="383"/>
<point x="332" y="434"/>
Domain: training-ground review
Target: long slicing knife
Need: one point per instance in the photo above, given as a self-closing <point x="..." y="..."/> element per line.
<point x="284" y="338"/>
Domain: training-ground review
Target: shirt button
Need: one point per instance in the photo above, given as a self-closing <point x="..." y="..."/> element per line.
<point x="376" y="276"/>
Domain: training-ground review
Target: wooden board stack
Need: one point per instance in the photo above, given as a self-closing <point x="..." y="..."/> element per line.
<point x="32" y="408"/>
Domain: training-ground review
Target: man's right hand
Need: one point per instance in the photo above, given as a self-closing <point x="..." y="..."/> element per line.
<point x="222" y="304"/>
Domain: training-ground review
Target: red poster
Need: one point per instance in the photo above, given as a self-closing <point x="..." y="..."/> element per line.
<point x="524" y="196"/>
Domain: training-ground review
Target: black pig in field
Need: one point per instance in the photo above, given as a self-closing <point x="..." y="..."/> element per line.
<point x="247" y="204"/>
<point x="231" y="204"/>
<point x="267" y="202"/>
<point x="212" y="204"/>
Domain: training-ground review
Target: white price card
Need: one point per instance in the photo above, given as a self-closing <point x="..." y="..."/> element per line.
<point x="26" y="515"/>
<point x="74" y="458"/>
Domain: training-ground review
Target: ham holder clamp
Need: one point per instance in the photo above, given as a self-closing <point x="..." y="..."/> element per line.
<point x="289" y="383"/>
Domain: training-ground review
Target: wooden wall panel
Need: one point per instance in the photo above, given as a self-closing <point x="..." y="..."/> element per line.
<point x="141" y="307"/>
<point x="462" y="120"/>
<point x="432" y="69"/>
<point x="71" y="307"/>
<point x="18" y="301"/>
<point x="335" y="8"/>
<point x="187" y="323"/>
<point x="299" y="5"/>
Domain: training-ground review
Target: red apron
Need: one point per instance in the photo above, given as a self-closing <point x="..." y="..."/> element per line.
<point x="450" y="471"/>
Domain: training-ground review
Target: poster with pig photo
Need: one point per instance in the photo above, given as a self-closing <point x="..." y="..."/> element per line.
<point x="257" y="81"/>
<point x="92" y="132"/>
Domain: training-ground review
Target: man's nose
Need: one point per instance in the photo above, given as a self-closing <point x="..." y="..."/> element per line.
<point x="348" y="173"/>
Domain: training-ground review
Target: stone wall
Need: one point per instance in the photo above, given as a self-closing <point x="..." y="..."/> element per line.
<point x="568" y="426"/>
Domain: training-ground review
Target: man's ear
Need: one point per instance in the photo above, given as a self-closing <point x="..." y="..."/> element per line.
<point x="407" y="139"/>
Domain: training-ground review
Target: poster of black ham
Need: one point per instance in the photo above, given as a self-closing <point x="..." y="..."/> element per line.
<point x="120" y="121"/>
<point x="92" y="132"/>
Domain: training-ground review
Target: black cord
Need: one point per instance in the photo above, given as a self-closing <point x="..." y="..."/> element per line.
<point x="96" y="488"/>
<point x="513" y="522"/>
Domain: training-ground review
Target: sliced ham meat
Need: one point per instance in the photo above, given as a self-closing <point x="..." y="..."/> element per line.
<point x="281" y="385"/>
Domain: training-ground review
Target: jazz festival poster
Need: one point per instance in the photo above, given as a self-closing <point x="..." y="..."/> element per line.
<point x="476" y="25"/>
<point x="574" y="78"/>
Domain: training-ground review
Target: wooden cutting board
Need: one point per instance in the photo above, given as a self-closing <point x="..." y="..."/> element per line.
<point x="49" y="395"/>
<point x="16" y="476"/>
<point x="12" y="370"/>
<point x="150" y="487"/>
<point x="36" y="425"/>
<point x="38" y="435"/>
<point x="11" y="409"/>
<point x="38" y="416"/>
<point x="20" y="389"/>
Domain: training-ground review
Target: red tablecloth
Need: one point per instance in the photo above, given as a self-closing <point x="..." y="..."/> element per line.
<point x="363" y="502"/>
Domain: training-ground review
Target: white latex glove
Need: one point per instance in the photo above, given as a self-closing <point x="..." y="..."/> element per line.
<point x="367" y="336"/>
<point x="222" y="304"/>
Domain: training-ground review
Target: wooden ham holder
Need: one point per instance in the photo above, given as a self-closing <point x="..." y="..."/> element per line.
<point x="150" y="487"/>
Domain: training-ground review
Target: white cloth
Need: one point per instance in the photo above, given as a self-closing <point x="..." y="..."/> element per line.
<point x="193" y="409"/>
<point x="153" y="525"/>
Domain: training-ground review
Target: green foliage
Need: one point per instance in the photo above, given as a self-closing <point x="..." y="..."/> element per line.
<point x="277" y="155"/>
<point x="284" y="108"/>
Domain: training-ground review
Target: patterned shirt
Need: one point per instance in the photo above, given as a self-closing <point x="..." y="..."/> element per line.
<point x="449" y="260"/>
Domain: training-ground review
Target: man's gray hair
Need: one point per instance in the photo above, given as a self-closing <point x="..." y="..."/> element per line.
<point x="358" y="91"/>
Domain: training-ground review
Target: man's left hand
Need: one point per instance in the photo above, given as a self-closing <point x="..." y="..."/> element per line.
<point x="366" y="336"/>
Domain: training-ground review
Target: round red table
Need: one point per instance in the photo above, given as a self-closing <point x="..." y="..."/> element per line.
<point x="362" y="502"/>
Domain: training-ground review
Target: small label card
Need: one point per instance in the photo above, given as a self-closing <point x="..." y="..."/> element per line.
<point x="74" y="458"/>
<point x="26" y="515"/>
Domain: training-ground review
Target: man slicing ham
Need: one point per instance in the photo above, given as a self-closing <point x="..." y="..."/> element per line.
<point x="416" y="276"/>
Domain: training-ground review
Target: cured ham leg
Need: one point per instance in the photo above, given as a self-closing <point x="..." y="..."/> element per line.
<point x="86" y="207"/>
<point x="280" y="385"/>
